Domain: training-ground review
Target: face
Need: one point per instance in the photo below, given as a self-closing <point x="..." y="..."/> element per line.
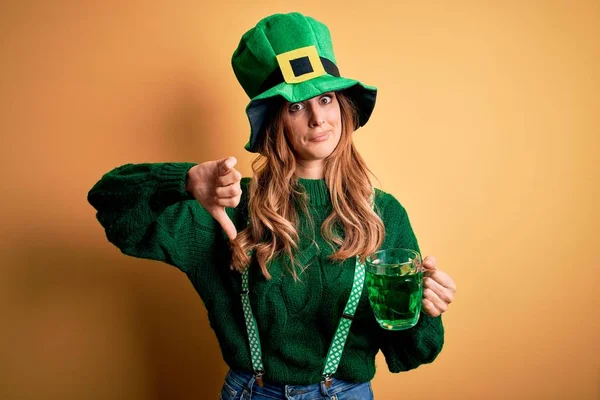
<point x="314" y="127"/>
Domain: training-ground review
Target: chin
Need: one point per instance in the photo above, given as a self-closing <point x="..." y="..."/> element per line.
<point x="319" y="155"/>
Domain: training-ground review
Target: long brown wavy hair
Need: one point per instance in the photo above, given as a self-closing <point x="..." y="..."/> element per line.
<point x="275" y="198"/>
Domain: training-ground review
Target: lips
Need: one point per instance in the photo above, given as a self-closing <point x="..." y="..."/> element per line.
<point x="320" y="137"/>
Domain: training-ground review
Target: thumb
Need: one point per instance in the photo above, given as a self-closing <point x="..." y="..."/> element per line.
<point x="429" y="263"/>
<point x="223" y="219"/>
<point x="225" y="165"/>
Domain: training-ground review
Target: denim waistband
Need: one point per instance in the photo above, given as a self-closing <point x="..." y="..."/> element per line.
<point x="245" y="379"/>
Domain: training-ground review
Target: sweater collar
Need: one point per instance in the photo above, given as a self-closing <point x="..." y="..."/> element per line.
<point x="318" y="193"/>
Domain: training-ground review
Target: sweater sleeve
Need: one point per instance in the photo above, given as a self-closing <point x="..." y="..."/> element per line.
<point x="147" y="213"/>
<point x="407" y="349"/>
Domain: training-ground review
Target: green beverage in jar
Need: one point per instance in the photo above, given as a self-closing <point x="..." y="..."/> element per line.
<point x="394" y="280"/>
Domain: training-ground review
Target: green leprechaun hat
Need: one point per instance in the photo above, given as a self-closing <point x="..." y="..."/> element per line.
<point x="291" y="55"/>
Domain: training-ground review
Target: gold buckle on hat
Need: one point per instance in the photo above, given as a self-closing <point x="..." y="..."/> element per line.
<point x="285" y="59"/>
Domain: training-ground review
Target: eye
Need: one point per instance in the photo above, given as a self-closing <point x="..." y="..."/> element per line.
<point x="295" y="107"/>
<point x="326" y="99"/>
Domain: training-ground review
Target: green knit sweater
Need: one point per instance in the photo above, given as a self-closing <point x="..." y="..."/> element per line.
<point x="147" y="213"/>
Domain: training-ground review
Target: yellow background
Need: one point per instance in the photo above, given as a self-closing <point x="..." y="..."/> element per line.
<point x="486" y="129"/>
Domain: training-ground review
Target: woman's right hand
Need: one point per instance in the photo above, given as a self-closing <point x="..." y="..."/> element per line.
<point x="216" y="185"/>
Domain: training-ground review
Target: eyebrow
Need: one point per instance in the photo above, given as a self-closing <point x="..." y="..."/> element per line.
<point x="331" y="94"/>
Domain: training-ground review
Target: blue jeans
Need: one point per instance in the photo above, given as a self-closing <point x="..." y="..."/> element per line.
<point x="242" y="386"/>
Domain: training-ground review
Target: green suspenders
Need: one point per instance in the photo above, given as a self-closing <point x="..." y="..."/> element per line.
<point x="336" y="348"/>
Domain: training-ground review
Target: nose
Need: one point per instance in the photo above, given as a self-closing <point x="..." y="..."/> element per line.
<point x="317" y="115"/>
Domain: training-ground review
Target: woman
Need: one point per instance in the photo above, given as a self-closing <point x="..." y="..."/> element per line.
<point x="305" y="219"/>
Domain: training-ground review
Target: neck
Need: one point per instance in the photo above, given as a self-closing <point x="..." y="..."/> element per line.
<point x="314" y="169"/>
